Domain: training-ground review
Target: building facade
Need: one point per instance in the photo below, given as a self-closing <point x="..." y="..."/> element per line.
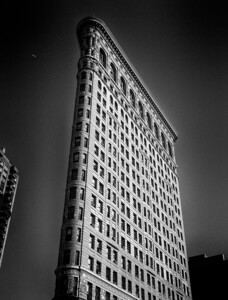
<point x="122" y="234"/>
<point x="208" y="276"/>
<point x="8" y="186"/>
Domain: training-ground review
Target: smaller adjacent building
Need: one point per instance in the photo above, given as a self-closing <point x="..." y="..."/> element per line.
<point x="208" y="276"/>
<point x="8" y="186"/>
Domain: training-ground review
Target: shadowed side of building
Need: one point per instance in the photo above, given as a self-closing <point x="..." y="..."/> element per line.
<point x="208" y="277"/>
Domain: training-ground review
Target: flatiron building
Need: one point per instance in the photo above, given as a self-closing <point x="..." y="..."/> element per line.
<point x="122" y="234"/>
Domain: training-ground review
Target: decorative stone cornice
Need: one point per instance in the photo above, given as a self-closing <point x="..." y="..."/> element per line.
<point x="99" y="24"/>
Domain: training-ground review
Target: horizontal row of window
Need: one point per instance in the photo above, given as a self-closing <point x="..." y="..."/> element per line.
<point x="126" y="227"/>
<point x="145" y="116"/>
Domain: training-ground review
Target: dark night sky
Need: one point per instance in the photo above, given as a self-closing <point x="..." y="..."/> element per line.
<point x="180" y="50"/>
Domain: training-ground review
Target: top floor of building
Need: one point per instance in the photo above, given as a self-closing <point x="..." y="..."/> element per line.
<point x="97" y="42"/>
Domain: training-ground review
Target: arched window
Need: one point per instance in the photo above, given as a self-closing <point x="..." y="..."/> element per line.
<point x="83" y="75"/>
<point x="141" y="110"/>
<point x="149" y="120"/>
<point x="132" y="98"/>
<point x="113" y="72"/>
<point x="170" y="149"/>
<point x="102" y="57"/>
<point x="156" y="131"/>
<point x="123" y="85"/>
<point x="163" y="140"/>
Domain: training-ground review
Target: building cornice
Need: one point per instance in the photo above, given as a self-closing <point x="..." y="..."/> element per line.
<point x="98" y="23"/>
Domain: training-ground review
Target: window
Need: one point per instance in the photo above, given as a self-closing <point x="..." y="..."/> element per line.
<point x="80" y="112"/>
<point x="123" y="282"/>
<point x="80" y="213"/>
<point x="141" y="110"/>
<point x="122" y="242"/>
<point x="68" y="235"/>
<point x="123" y="85"/>
<point x="94" y="182"/>
<point x="102" y="156"/>
<point x="115" y="256"/>
<point x="74" y="174"/>
<point x="156" y="131"/>
<point x="149" y="120"/>
<point x="128" y="247"/>
<point x="170" y="149"/>
<point x="92" y="220"/>
<point x="101" y="188"/>
<point x="100" y="223"/>
<point x="102" y="172"/>
<point x="70" y="212"/>
<point x="97" y="293"/>
<point x="83" y="76"/>
<point x="95" y="166"/>
<point x="142" y="294"/>
<point x="123" y="262"/>
<point x="108" y="274"/>
<point x="129" y="286"/>
<point x="100" y="206"/>
<point x="102" y="142"/>
<point x="81" y="99"/>
<point x="77" y="257"/>
<point x="142" y="274"/>
<point x="89" y="291"/>
<point x="97" y="135"/>
<point x="83" y="175"/>
<point x="102" y="57"/>
<point x="109" y="255"/>
<point x="98" y="269"/>
<point x="73" y="192"/>
<point x="66" y="256"/>
<point x="82" y="87"/>
<point x="92" y="241"/>
<point x="77" y="141"/>
<point x="96" y="150"/>
<point x="113" y="72"/>
<point x="85" y="142"/>
<point x="82" y="194"/>
<point x="79" y="235"/>
<point x="163" y="140"/>
<point x="115" y="278"/>
<point x="132" y="98"/>
<point x="79" y="126"/>
<point x="137" y="290"/>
